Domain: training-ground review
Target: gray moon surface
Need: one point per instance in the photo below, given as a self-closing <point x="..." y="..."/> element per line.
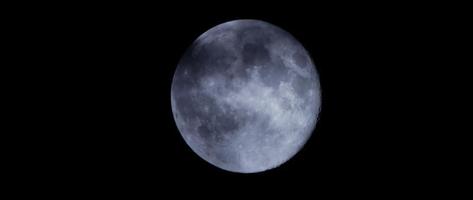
<point x="246" y="96"/>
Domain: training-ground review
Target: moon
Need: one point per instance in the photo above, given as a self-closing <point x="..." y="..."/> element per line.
<point x="246" y="96"/>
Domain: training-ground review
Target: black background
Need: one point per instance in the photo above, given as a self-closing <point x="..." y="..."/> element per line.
<point x="109" y="122"/>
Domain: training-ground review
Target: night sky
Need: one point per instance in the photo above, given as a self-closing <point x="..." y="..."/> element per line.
<point x="115" y="65"/>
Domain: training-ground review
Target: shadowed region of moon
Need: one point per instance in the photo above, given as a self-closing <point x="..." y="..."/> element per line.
<point x="245" y="96"/>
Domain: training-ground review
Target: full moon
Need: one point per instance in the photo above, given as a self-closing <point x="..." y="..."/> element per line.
<point x="246" y="96"/>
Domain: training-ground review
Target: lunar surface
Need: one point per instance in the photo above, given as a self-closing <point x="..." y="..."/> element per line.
<point x="245" y="96"/>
